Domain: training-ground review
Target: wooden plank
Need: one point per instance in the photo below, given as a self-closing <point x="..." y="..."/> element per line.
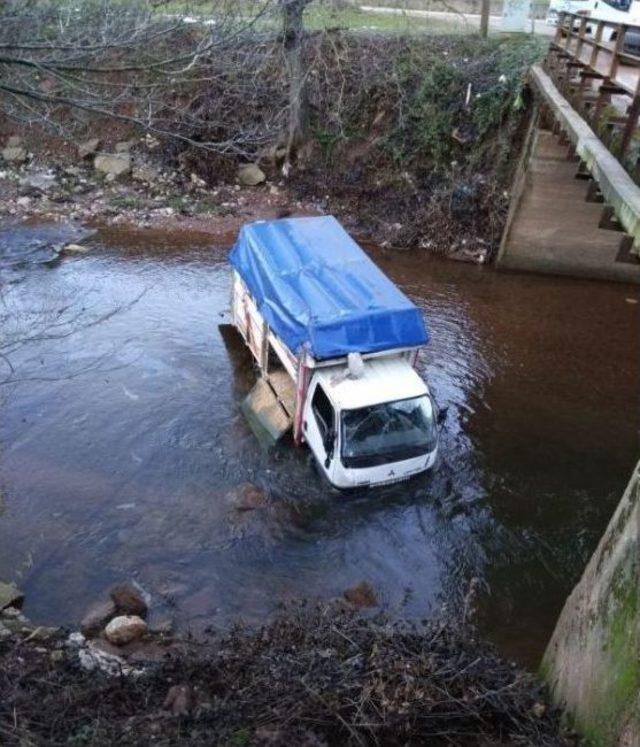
<point x="264" y="413"/>
<point x="285" y="390"/>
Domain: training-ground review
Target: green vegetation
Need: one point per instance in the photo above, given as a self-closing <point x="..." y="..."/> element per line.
<point x="421" y="126"/>
<point x="321" y="17"/>
<point x="618" y="691"/>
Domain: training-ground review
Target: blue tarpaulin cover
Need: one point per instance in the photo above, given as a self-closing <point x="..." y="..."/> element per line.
<point x="313" y="284"/>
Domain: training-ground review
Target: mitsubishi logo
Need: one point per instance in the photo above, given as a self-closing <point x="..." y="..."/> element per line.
<point x="391" y="473"/>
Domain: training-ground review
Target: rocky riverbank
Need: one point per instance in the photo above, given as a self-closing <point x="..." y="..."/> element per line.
<point x="315" y="675"/>
<point x="128" y="183"/>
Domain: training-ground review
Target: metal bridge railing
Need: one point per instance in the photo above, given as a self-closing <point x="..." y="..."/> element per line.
<point x="596" y="65"/>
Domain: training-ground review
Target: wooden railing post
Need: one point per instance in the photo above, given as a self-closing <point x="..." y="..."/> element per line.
<point x="558" y="37"/>
<point x="617" y="50"/>
<point x="576" y="72"/>
<point x="597" y="39"/>
<point x="582" y="30"/>
<point x="632" y="122"/>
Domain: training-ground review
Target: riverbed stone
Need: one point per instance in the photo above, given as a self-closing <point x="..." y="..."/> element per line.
<point x="88" y="147"/>
<point x="116" y="164"/>
<point x="97" y="617"/>
<point x="75" y="249"/>
<point x="361" y="595"/>
<point x="125" y="629"/>
<point x="145" y="173"/>
<point x="179" y="700"/>
<point x="10" y="596"/>
<point x="124" y="146"/>
<point x="14" y="154"/>
<point x="128" y="600"/>
<point x="250" y="175"/>
<point x="246" y="497"/>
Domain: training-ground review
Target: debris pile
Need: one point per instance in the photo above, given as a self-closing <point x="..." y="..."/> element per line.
<point x="316" y="675"/>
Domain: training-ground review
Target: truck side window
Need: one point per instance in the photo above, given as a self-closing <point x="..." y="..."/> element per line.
<point x="323" y="411"/>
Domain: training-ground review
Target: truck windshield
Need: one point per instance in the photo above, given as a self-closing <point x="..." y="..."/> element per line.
<point x="388" y="432"/>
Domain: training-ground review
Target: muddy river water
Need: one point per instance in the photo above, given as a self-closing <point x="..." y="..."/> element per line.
<point x="121" y="438"/>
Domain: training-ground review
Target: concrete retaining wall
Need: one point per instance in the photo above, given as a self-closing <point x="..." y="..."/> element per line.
<point x="592" y="663"/>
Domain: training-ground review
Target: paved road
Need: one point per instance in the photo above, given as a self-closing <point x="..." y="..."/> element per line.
<point x="472" y="19"/>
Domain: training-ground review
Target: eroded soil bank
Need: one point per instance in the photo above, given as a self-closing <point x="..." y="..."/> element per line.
<point x="411" y="142"/>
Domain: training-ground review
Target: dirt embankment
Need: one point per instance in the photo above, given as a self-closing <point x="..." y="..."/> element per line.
<point x="410" y="142"/>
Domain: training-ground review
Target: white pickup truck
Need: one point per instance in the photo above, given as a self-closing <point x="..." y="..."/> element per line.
<point x="336" y="345"/>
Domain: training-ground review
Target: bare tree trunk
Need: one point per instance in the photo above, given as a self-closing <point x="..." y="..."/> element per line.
<point x="484" y="18"/>
<point x="293" y="36"/>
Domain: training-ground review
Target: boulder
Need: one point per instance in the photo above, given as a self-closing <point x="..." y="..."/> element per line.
<point x="124" y="629"/>
<point x="128" y="600"/>
<point x="361" y="595"/>
<point x="251" y="175"/>
<point x="14" y="154"/>
<point x="116" y="164"/>
<point x="88" y="148"/>
<point x="97" y="617"/>
<point x="10" y="596"/>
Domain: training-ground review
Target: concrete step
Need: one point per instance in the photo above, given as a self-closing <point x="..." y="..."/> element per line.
<point x="554" y="229"/>
<point x="565" y="169"/>
<point x="547" y="145"/>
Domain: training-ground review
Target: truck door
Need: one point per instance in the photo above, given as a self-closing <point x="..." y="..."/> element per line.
<point x="319" y="426"/>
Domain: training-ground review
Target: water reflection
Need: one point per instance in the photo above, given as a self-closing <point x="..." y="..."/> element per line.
<point x="125" y="471"/>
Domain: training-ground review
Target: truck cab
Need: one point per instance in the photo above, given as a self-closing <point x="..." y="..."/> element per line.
<point x="361" y="433"/>
<point x="613" y="11"/>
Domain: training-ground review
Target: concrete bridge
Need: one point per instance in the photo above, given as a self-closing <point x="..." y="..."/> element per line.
<point x="576" y="202"/>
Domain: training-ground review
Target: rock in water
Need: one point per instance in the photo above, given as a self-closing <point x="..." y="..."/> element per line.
<point x="124" y="629"/>
<point x="97" y="616"/>
<point x="10" y="596"/>
<point x="88" y="148"/>
<point x="361" y="595"/>
<point x="128" y="601"/>
<point x="247" y="497"/>
<point x="116" y="164"/>
<point x="251" y="175"/>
